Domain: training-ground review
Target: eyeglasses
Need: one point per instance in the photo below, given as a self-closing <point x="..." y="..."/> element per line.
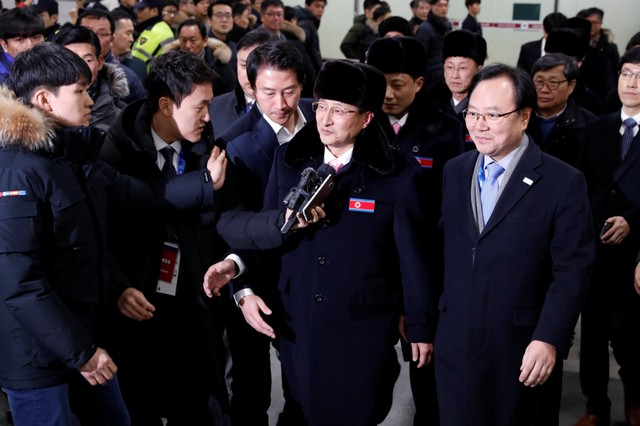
<point x="220" y="15"/>
<point x="489" y="117"/>
<point x="322" y="108"/>
<point x="103" y="35"/>
<point x="274" y="15"/>
<point x="628" y="75"/>
<point x="552" y="85"/>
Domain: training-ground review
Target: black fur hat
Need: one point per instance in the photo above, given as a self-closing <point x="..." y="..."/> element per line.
<point x="570" y="41"/>
<point x="352" y="83"/>
<point x="465" y="44"/>
<point x="394" y="23"/>
<point x="398" y="54"/>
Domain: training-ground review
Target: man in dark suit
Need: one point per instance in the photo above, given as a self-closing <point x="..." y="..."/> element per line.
<point x="163" y="324"/>
<point x="225" y="109"/>
<point x="518" y="252"/>
<point x="432" y="137"/>
<point x="275" y="72"/>
<point x="531" y="51"/>
<point x="558" y="125"/>
<point x="471" y="23"/>
<point x="611" y="163"/>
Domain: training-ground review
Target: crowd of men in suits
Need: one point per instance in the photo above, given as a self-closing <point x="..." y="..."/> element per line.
<point x="513" y="217"/>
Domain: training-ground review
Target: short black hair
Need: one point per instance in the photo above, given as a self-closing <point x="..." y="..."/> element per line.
<point x="97" y="14"/>
<point x="217" y="2"/>
<point x="266" y="3"/>
<point x="71" y="35"/>
<point x="48" y="66"/>
<point x="174" y="75"/>
<point x="279" y="55"/>
<point x="368" y="4"/>
<point x="526" y="96"/>
<point x="570" y="67"/>
<point x="310" y="2"/>
<point x="553" y="21"/>
<point x="631" y="56"/>
<point x="192" y="22"/>
<point x="118" y="15"/>
<point x="238" y="9"/>
<point x="20" y="22"/>
<point x="585" y="13"/>
<point x="634" y="41"/>
<point x="470" y="2"/>
<point x="380" y="12"/>
<point x="253" y="38"/>
<point x="289" y="13"/>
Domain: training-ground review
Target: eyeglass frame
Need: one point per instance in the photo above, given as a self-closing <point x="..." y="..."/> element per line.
<point x="221" y="15"/>
<point x="498" y="117"/>
<point x="549" y="84"/>
<point x="627" y="75"/>
<point x="338" y="111"/>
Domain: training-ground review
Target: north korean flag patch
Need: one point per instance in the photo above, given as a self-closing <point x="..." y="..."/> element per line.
<point x="467" y="138"/>
<point x="362" y="205"/>
<point x="425" y="162"/>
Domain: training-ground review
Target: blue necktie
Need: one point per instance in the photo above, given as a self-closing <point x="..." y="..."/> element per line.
<point x="627" y="136"/>
<point x="169" y="171"/>
<point x="489" y="193"/>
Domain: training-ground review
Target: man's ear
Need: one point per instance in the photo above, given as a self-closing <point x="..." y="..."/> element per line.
<point x="41" y="100"/>
<point x="165" y="106"/>
<point x="4" y="45"/>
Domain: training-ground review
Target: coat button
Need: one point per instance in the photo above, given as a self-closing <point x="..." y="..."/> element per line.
<point x="613" y="192"/>
<point x="357" y="190"/>
<point x="319" y="298"/>
<point x="322" y="260"/>
<point x="415" y="149"/>
<point x="58" y="204"/>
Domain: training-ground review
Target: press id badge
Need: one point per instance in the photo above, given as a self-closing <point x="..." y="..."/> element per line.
<point x="169" y="268"/>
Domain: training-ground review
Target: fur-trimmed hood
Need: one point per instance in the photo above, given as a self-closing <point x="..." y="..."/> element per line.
<point x="116" y="80"/>
<point x="371" y="148"/>
<point x="22" y="127"/>
<point x="294" y="30"/>
<point x="220" y="50"/>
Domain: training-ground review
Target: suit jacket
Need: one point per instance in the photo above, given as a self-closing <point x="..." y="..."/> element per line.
<point x="613" y="191"/>
<point x="529" y="54"/>
<point x="523" y="278"/>
<point x="471" y="24"/>
<point x="251" y="143"/>
<point x="225" y="109"/>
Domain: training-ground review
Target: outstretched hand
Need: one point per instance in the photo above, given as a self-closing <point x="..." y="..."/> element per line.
<point x="217" y="276"/>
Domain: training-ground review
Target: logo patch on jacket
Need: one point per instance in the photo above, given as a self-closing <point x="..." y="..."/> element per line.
<point x="142" y="40"/>
<point x="361" y="205"/>
<point x="13" y="193"/>
<point x="425" y="162"/>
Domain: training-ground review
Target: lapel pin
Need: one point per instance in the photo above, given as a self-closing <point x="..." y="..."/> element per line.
<point x="527" y="181"/>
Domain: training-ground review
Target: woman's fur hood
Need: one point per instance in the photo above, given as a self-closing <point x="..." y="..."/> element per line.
<point x="221" y="51"/>
<point x="22" y="127"/>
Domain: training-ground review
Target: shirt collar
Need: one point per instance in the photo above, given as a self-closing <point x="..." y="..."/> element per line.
<point x="344" y="158"/>
<point x="281" y="132"/>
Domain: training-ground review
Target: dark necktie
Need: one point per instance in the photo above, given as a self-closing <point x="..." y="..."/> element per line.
<point x="627" y="136"/>
<point x="248" y="107"/>
<point x="169" y="171"/>
<point x="489" y="194"/>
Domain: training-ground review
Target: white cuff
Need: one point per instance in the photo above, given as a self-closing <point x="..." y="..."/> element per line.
<point x="241" y="294"/>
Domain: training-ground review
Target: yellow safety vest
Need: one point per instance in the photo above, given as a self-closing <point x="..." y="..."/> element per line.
<point x="150" y="42"/>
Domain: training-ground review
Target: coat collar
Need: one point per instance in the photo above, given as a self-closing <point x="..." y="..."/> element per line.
<point x="371" y="148"/>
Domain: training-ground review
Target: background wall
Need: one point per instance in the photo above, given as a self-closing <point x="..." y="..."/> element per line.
<point x="504" y="44"/>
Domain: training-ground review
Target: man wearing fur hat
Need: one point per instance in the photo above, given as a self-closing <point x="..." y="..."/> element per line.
<point x="341" y="310"/>
<point x="414" y="126"/>
<point x="464" y="53"/>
